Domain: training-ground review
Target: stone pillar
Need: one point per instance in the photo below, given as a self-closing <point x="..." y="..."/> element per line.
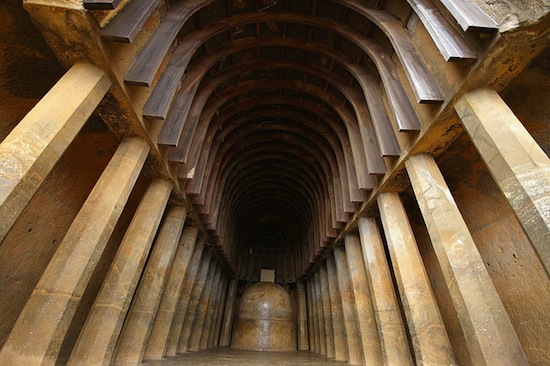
<point x="338" y="325"/>
<point x="214" y="338"/>
<point x="327" y="309"/>
<point x="363" y="304"/>
<point x="213" y="292"/>
<point x="30" y="151"/>
<point x="320" y="314"/>
<point x="38" y="333"/>
<point x="315" y="314"/>
<point x="194" y="302"/>
<point x="159" y="335"/>
<point x="391" y="330"/>
<point x="518" y="165"/>
<point x="228" y="315"/>
<point x="355" y="350"/>
<point x="139" y="322"/>
<point x="194" y="341"/>
<point x="429" y="338"/>
<point x="310" y="318"/>
<point x="183" y="302"/>
<point x="302" y="317"/>
<point x="97" y="339"/>
<point x="490" y="336"/>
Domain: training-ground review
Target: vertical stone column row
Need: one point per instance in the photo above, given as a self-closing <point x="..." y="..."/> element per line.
<point x="490" y="336"/>
<point x="327" y="309"/>
<point x="39" y="331"/>
<point x="98" y="337"/>
<point x="159" y="335"/>
<point x="303" y="344"/>
<point x="210" y="302"/>
<point x="214" y="338"/>
<point x="340" y="337"/>
<point x="194" y="302"/>
<point x="193" y="344"/>
<point x="321" y="314"/>
<point x="519" y="166"/>
<point x="429" y="338"/>
<point x="310" y="316"/>
<point x="183" y="302"/>
<point x="391" y="330"/>
<point x="139" y="322"/>
<point x="314" y="305"/>
<point x="30" y="151"/>
<point x="363" y="304"/>
<point x="355" y="349"/>
<point x="228" y="315"/>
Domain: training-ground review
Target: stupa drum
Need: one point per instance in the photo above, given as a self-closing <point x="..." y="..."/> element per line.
<point x="266" y="321"/>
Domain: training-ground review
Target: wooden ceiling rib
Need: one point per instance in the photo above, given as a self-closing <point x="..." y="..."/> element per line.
<point x="280" y="115"/>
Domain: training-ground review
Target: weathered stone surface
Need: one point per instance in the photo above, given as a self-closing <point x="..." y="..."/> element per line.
<point x="303" y="344"/>
<point x="200" y="280"/>
<point x="517" y="163"/>
<point x="98" y="337"/>
<point x="183" y="302"/>
<point x="210" y="304"/>
<point x="159" y="335"/>
<point x="363" y="304"/>
<point x="320" y="314"/>
<point x="430" y="341"/>
<point x="355" y="348"/>
<point x="487" y="328"/>
<point x="265" y="321"/>
<point x="228" y="313"/>
<point x="394" y="345"/>
<point x="311" y="317"/>
<point x="139" y="322"/>
<point x="193" y="344"/>
<point x="338" y="325"/>
<point x="216" y="329"/>
<point x="327" y="309"/>
<point x="38" y="333"/>
<point x="30" y="151"/>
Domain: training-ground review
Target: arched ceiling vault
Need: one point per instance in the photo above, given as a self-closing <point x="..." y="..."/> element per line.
<point x="280" y="115"/>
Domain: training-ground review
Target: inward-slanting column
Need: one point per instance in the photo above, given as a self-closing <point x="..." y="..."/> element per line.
<point x="194" y="341"/>
<point x="183" y="302"/>
<point x="38" y="333"/>
<point x="310" y="317"/>
<point x="391" y="330"/>
<point x="228" y="313"/>
<point x="321" y="314"/>
<point x="210" y="303"/>
<point x="325" y="295"/>
<point x="302" y="317"/>
<point x="355" y="349"/>
<point x="314" y="305"/>
<point x="429" y="338"/>
<point x="363" y="304"/>
<point x="30" y="151"/>
<point x="159" y="335"/>
<point x="214" y="338"/>
<point x="97" y="339"/>
<point x="519" y="166"/>
<point x="490" y="336"/>
<point x="194" y="302"/>
<point x="339" y="329"/>
<point x="139" y="323"/>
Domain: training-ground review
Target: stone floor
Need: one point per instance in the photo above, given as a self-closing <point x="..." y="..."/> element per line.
<point x="228" y="356"/>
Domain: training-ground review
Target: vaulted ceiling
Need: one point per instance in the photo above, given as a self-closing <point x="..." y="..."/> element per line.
<point x="279" y="115"/>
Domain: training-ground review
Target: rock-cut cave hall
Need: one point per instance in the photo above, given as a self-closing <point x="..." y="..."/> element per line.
<point x="274" y="182"/>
